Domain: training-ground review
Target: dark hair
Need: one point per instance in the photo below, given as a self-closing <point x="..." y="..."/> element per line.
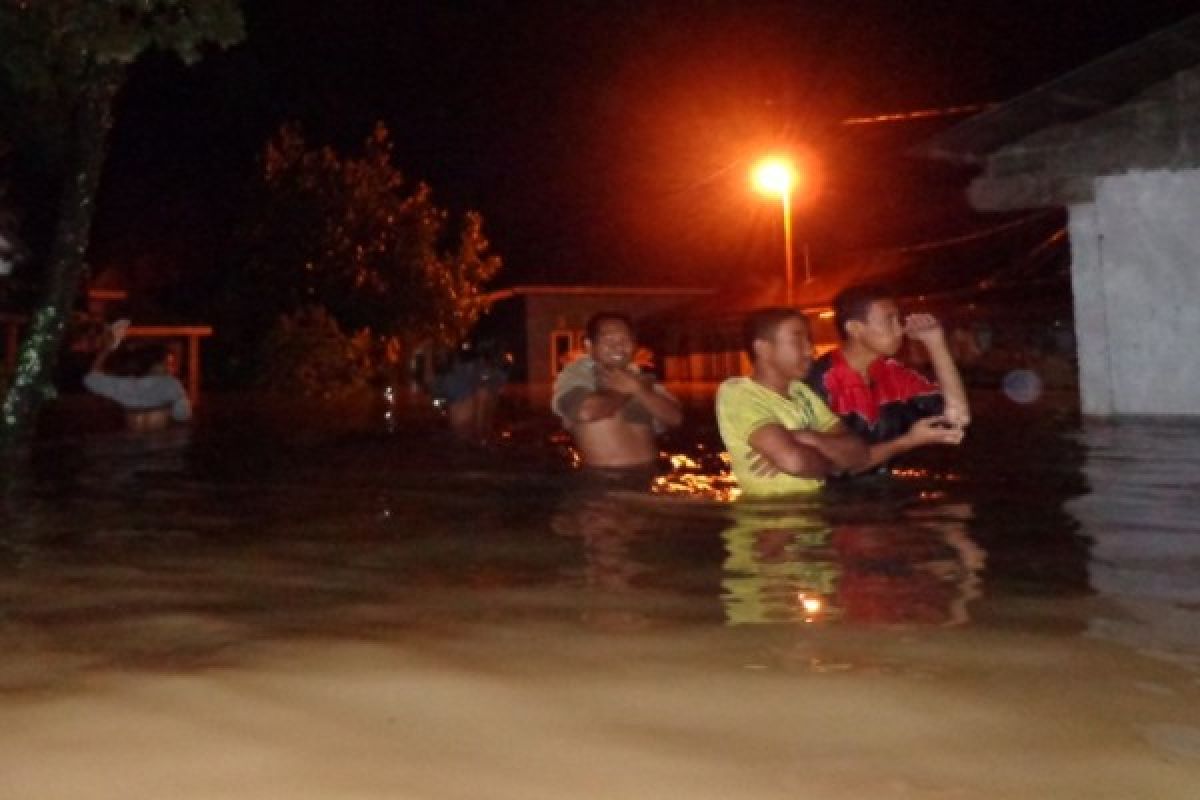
<point x="592" y="328"/>
<point x="146" y="357"/>
<point x="854" y="302"/>
<point x="762" y="323"/>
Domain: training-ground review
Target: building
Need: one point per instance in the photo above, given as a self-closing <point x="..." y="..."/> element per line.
<point x="183" y="341"/>
<point x="1116" y="143"/>
<point x="543" y="326"/>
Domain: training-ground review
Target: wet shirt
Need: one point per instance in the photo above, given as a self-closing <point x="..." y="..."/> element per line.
<point x="878" y="409"/>
<point x="578" y="379"/>
<point x="145" y="393"/>
<point x="744" y="406"/>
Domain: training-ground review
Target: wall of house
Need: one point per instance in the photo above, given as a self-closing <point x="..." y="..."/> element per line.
<point x="1136" y="280"/>
<point x="547" y="313"/>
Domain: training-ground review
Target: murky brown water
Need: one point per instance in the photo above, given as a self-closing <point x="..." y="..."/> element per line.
<point x="245" y="615"/>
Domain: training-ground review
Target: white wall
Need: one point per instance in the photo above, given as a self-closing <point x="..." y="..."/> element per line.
<point x="1135" y="271"/>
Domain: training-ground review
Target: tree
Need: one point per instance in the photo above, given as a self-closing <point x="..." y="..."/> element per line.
<point x="352" y="236"/>
<point x="64" y="62"/>
<point x="12" y="249"/>
<point x="306" y="353"/>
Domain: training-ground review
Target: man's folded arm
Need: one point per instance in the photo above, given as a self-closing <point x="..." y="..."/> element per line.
<point x="661" y="404"/>
<point x="584" y="405"/>
<point x="844" y="449"/>
<point x="780" y="448"/>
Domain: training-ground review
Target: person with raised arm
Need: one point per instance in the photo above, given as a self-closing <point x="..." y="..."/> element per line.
<point x="892" y="407"/>
<point x="152" y="398"/>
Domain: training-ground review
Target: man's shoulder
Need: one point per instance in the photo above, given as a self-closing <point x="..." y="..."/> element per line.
<point x="734" y="387"/>
<point x="801" y="389"/>
<point x="579" y="374"/>
<point x="581" y="369"/>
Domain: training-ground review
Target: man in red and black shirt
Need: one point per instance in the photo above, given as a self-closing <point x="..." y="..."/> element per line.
<point x="893" y="408"/>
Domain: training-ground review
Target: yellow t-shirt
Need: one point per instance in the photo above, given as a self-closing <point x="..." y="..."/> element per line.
<point x="744" y="406"/>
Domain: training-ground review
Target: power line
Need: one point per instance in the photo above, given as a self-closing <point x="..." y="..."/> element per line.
<point x="968" y="237"/>
<point x="924" y="113"/>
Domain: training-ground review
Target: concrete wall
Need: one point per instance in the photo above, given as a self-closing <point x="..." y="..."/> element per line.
<point x="1135" y="270"/>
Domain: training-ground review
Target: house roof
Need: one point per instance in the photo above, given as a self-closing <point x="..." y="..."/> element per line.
<point x="1081" y="93"/>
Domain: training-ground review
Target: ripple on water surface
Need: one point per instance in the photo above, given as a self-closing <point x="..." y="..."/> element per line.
<point x="1019" y="620"/>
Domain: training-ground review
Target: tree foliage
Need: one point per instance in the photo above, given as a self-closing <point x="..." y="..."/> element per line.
<point x="62" y="63"/>
<point x="307" y="353"/>
<point x="54" y="51"/>
<point x="351" y="235"/>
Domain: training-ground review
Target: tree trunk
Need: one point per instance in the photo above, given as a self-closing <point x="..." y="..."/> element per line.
<point x="32" y="381"/>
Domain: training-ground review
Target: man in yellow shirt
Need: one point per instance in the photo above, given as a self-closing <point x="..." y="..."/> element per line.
<point x="781" y="438"/>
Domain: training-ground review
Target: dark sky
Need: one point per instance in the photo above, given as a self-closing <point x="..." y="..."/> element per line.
<point x="603" y="140"/>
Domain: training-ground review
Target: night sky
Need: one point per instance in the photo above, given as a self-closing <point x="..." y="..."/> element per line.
<point x="604" y="141"/>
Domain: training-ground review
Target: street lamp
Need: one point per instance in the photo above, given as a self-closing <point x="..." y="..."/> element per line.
<point x="777" y="176"/>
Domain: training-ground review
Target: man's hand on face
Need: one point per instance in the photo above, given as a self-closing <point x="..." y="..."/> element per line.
<point x="924" y="328"/>
<point x="619" y="379"/>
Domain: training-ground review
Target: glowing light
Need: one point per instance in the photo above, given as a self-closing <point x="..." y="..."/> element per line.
<point x="812" y="605"/>
<point x="688" y="476"/>
<point x="775" y="175"/>
<point x="911" y="472"/>
<point x="683" y="461"/>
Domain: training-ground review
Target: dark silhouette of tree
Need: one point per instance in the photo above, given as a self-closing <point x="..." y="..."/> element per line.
<point x="351" y="236"/>
<point x="62" y="64"/>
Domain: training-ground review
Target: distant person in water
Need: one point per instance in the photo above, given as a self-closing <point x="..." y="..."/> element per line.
<point x="781" y="437"/>
<point x="152" y="397"/>
<point x="892" y="407"/>
<point x="470" y="386"/>
<point x="613" y="410"/>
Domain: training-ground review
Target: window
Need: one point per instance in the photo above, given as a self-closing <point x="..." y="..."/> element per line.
<point x="562" y="347"/>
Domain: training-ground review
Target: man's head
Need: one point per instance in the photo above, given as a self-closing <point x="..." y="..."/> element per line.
<point x="778" y="338"/>
<point x="150" y="359"/>
<point x="867" y="317"/>
<point x="610" y="339"/>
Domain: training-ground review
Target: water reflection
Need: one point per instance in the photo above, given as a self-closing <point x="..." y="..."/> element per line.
<point x="606" y="529"/>
<point x="1141" y="517"/>
<point x="798" y="567"/>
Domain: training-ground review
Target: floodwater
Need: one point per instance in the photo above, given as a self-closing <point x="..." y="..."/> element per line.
<point x="249" y="612"/>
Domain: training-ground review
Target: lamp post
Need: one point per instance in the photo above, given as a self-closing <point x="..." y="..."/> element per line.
<point x="777" y="176"/>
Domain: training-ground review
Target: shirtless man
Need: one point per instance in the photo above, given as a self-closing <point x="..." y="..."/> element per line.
<point x="612" y="410"/>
